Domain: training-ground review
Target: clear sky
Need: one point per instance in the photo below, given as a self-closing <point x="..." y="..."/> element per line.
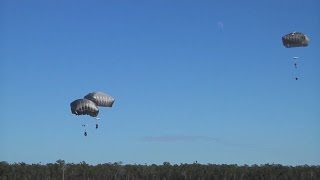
<point x="206" y="81"/>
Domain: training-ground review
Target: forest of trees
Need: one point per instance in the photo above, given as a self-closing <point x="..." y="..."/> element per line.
<point x="118" y="171"/>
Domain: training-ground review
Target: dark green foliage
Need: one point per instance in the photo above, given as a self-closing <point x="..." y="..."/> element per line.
<point x="118" y="171"/>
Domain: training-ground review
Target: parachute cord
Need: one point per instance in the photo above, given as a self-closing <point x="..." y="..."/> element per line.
<point x="84" y="129"/>
<point x="296" y="74"/>
<point x="97" y="120"/>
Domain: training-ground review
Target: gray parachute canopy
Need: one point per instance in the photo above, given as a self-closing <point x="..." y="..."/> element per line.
<point x="84" y="107"/>
<point x="295" y="39"/>
<point x="100" y="98"/>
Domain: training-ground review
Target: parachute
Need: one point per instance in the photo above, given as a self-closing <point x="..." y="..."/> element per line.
<point x="295" y="39"/>
<point x="100" y="99"/>
<point x="89" y="105"/>
<point x="84" y="107"/>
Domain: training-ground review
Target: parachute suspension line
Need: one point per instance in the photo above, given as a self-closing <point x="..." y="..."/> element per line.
<point x="85" y="129"/>
<point x="296" y="69"/>
<point x="97" y="120"/>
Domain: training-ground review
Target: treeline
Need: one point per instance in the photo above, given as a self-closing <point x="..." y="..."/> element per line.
<point x="117" y="171"/>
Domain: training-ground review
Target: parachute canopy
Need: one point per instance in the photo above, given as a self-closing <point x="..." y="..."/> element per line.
<point x="100" y="99"/>
<point x="84" y="107"/>
<point x="295" y="39"/>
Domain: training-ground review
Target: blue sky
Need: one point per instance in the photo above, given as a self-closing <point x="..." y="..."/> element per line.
<point x="206" y="81"/>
